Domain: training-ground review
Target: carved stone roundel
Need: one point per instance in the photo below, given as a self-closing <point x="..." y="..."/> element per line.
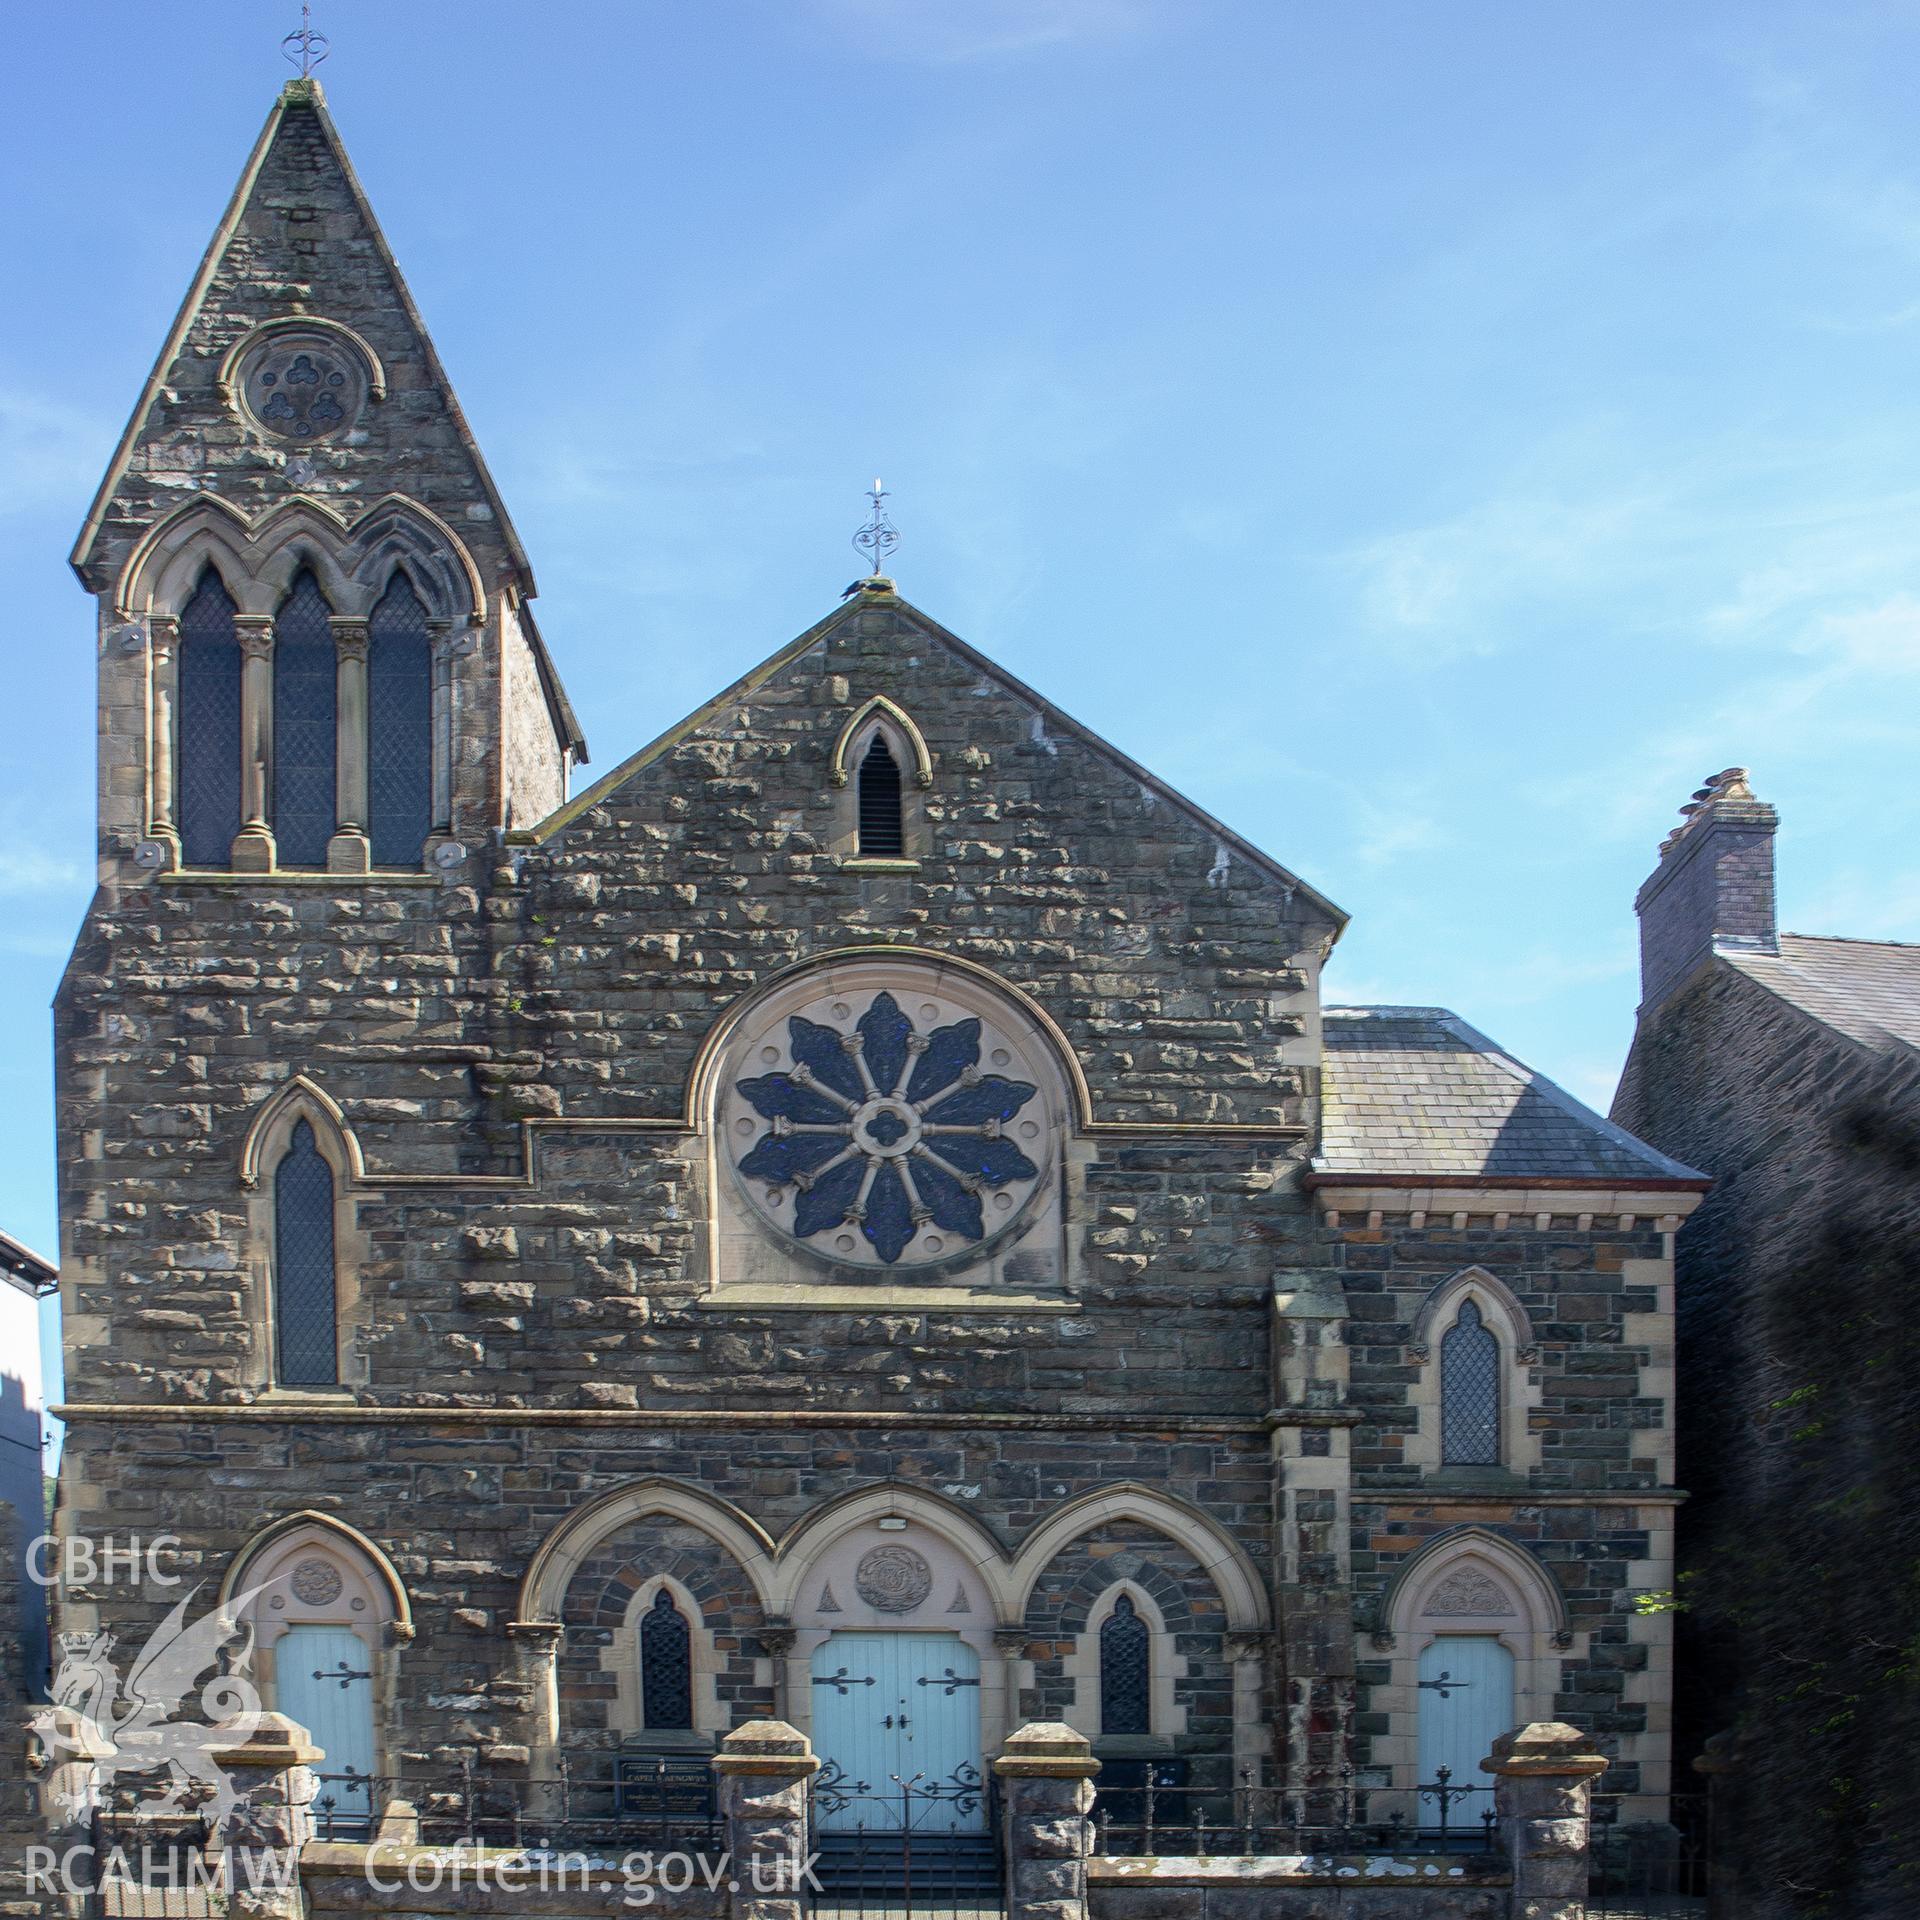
<point x="302" y="387"/>
<point x="893" y="1579"/>
<point x="315" y="1582"/>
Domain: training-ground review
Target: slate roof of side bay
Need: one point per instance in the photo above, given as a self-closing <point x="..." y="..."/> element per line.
<point x="1866" y="989"/>
<point x="1412" y="1092"/>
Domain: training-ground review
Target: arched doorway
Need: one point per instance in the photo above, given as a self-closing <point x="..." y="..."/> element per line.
<point x="328" y="1617"/>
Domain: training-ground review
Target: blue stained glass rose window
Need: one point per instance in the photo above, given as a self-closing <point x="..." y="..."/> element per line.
<point x="884" y="1137"/>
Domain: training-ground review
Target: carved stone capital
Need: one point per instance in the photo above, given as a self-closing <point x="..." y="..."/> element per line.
<point x="349" y="636"/>
<point x="255" y="634"/>
<point x="1011" y="1641"/>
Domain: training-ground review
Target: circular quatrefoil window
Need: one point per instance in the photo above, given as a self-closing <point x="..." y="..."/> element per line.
<point x="877" y="1120"/>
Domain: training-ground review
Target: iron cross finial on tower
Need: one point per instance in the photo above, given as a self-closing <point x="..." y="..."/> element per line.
<point x="304" y="47"/>
<point x="878" y="538"/>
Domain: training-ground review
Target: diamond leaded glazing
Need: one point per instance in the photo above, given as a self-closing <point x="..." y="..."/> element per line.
<point x="399" y="727"/>
<point x="303" y="1269"/>
<point x="208" y="757"/>
<point x="305" y="726"/>
<point x="888" y="1130"/>
<point x="1469" y="1392"/>
<point x="1125" y="1670"/>
<point x="666" y="1666"/>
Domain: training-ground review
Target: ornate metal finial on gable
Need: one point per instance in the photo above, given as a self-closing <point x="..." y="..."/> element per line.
<point x="877" y="539"/>
<point x="304" y="47"/>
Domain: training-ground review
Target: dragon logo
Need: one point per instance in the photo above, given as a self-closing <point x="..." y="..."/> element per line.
<point x="132" y="1724"/>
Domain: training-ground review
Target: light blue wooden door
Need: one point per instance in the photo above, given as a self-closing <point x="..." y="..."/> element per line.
<point x="323" y="1678"/>
<point x="1466" y="1703"/>
<point x="893" y="1712"/>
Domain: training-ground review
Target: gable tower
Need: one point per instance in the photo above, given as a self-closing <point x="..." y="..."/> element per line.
<point x="316" y="651"/>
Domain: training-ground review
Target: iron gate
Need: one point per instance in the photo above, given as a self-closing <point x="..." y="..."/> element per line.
<point x="903" y="1847"/>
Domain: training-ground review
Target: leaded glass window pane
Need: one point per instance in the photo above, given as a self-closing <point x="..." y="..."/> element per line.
<point x="1469" y="1392"/>
<point x="208" y="755"/>
<point x="881" y="836"/>
<point x="399" y="727"/>
<point x="303" y="1271"/>
<point x="1124" y="1670"/>
<point x="666" y="1666"/>
<point x="305" y="727"/>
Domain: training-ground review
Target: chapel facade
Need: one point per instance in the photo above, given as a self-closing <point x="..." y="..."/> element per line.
<point x="860" y="1214"/>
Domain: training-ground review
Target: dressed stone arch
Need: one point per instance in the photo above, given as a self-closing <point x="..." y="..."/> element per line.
<point x="1443" y="1301"/>
<point x="539" y="1636"/>
<point x="328" y="1618"/>
<point x="887" y="719"/>
<point x="1495" y="1313"/>
<point x="550" y="1572"/>
<point x="299" y="1098"/>
<point x="255" y="558"/>
<point x="1247" y="1615"/>
<point x="806" y="1544"/>
<point x="395" y="534"/>
<point x="893" y="1564"/>
<point x="1469" y="1589"/>
<point x="1227" y="1563"/>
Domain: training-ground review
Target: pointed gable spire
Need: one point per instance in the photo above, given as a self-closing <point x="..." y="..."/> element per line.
<point x="298" y="242"/>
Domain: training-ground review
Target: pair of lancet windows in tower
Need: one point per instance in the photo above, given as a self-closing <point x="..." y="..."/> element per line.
<point x="300" y="780"/>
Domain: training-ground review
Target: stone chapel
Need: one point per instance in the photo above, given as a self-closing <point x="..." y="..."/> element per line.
<point x="858" y="1214"/>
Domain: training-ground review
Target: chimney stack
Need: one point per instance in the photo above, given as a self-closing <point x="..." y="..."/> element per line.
<point x="1713" y="886"/>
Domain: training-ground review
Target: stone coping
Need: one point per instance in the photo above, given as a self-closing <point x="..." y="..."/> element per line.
<point x="1299" y="1870"/>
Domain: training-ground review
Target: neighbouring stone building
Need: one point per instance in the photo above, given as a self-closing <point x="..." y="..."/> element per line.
<point x="859" y="1215"/>
<point x="1788" y="1066"/>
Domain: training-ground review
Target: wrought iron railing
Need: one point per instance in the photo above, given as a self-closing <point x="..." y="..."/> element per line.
<point x="1155" y="1815"/>
<point x="1641" y="1869"/>
<point x="599" y="1799"/>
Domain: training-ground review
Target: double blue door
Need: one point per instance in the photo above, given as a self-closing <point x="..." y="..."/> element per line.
<point x="896" y="1723"/>
<point x="323" y="1678"/>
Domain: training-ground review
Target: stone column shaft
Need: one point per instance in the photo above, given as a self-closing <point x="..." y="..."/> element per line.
<point x="163" y="695"/>
<point x="349" y="851"/>
<point x="253" y="849"/>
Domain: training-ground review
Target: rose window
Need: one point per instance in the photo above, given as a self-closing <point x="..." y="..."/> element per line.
<point x="885" y="1136"/>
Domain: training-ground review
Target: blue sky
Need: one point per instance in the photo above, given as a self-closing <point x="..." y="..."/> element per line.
<point x="1432" y="435"/>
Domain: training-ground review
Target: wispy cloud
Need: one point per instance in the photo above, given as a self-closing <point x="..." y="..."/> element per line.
<point x="46" y="450"/>
<point x="1452" y="588"/>
<point x="952" y="31"/>
<point x="27" y="870"/>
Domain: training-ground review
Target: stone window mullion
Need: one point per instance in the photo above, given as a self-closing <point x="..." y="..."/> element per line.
<point x="253" y="847"/>
<point x="349" y="850"/>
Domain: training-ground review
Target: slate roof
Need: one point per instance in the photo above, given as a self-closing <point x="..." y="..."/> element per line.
<point x="1866" y="989"/>
<point x="1416" y="1092"/>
